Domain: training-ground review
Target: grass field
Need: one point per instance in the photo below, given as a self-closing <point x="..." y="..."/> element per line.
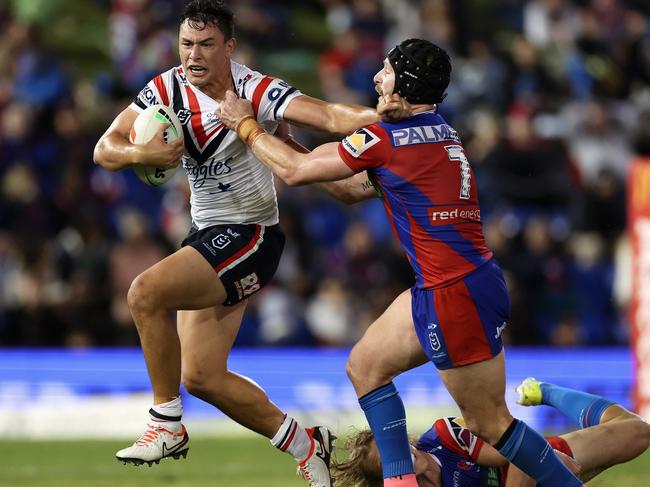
<point x="240" y="462"/>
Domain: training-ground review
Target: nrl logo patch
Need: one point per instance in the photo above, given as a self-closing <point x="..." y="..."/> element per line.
<point x="359" y="142"/>
<point x="183" y="116"/>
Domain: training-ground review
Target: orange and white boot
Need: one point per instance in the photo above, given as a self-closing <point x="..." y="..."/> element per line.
<point x="160" y="440"/>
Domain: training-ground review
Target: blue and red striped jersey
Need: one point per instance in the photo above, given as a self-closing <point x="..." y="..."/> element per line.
<point x="419" y="166"/>
<point x="456" y="450"/>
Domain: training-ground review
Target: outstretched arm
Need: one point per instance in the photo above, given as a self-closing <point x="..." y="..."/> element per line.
<point x="350" y="190"/>
<point x="294" y="168"/>
<point x="341" y="119"/>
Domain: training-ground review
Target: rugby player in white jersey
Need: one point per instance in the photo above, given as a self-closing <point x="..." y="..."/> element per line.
<point x="234" y="245"/>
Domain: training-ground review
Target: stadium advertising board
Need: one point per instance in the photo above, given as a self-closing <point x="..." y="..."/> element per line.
<point x="61" y="393"/>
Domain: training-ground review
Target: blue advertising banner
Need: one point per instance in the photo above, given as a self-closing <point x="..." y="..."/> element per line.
<point x="297" y="380"/>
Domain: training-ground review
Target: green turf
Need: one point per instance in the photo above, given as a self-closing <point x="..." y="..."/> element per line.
<point x="242" y="462"/>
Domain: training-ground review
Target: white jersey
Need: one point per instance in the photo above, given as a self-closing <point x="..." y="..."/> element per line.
<point x="228" y="184"/>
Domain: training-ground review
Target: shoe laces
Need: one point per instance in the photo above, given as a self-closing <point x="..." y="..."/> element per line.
<point x="304" y="469"/>
<point x="305" y="473"/>
<point x="151" y="435"/>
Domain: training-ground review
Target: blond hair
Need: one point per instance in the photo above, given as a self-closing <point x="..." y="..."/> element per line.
<point x="359" y="469"/>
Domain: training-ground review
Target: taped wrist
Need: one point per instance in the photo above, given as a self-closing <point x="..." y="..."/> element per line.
<point x="249" y="130"/>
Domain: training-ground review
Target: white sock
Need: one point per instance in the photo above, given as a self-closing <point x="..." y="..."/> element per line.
<point x="293" y="439"/>
<point x="170" y="412"/>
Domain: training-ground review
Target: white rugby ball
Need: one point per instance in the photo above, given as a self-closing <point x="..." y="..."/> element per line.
<point x="144" y="128"/>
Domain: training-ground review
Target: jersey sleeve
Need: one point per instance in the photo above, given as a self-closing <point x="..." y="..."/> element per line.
<point x="269" y="96"/>
<point x="364" y="149"/>
<point x="456" y="437"/>
<point x="156" y="91"/>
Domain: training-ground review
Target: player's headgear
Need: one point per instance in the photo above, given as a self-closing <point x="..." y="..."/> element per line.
<point x="422" y="71"/>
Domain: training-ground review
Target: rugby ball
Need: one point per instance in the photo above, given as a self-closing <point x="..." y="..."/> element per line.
<point x="144" y="128"/>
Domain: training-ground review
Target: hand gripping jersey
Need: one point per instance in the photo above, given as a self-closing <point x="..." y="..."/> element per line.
<point x="228" y="184"/>
<point x="420" y="169"/>
<point x="456" y="450"/>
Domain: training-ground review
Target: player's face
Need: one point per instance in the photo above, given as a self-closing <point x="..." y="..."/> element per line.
<point x="385" y="79"/>
<point x="427" y="470"/>
<point x="205" y="54"/>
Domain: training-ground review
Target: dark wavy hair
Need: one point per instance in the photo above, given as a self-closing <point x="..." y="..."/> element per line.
<point x="200" y="13"/>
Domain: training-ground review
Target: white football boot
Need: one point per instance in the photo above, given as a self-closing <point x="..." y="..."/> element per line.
<point x="315" y="469"/>
<point x="159" y="441"/>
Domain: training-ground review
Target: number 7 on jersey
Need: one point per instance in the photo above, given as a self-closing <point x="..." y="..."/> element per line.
<point x="456" y="153"/>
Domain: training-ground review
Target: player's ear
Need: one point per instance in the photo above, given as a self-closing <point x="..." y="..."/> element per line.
<point x="230" y="46"/>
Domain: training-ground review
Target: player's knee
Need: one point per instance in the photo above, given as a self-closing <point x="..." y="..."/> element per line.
<point x="365" y="373"/>
<point x="198" y="383"/>
<point x="141" y="296"/>
<point x="358" y="368"/>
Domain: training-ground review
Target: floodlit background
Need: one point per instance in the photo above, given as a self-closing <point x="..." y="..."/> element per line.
<point x="551" y="98"/>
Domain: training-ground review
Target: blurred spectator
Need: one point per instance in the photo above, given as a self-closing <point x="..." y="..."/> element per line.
<point x="550" y="97"/>
<point x="599" y="142"/>
<point x="530" y="172"/>
<point x="549" y="22"/>
<point x="133" y="254"/>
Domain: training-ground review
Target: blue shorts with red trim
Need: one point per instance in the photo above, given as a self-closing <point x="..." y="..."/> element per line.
<point x="244" y="256"/>
<point x="461" y="324"/>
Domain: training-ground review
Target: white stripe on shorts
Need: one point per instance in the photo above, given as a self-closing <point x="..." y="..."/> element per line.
<point x="247" y="254"/>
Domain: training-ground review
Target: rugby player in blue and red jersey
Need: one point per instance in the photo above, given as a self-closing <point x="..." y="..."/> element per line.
<point x="455" y="313"/>
<point x="449" y="455"/>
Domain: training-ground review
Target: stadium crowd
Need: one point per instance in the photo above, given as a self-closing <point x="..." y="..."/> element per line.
<point x="551" y="98"/>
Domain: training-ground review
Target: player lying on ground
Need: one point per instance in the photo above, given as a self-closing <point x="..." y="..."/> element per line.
<point x="449" y="455"/>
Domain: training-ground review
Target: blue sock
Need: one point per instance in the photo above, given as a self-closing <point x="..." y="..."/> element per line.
<point x="583" y="408"/>
<point x="529" y="451"/>
<point x="387" y="419"/>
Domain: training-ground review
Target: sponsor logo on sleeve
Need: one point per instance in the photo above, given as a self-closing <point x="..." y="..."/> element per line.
<point x="359" y="142"/>
<point x="147" y="95"/>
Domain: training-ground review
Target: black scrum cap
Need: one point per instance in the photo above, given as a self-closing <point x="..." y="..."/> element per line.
<point x="422" y="71"/>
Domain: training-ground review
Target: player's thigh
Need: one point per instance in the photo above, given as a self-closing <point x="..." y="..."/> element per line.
<point x="244" y="257"/>
<point x="389" y="346"/>
<point x="183" y="280"/>
<point x="206" y="337"/>
<point x="605" y="445"/>
<point x="479" y="390"/>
